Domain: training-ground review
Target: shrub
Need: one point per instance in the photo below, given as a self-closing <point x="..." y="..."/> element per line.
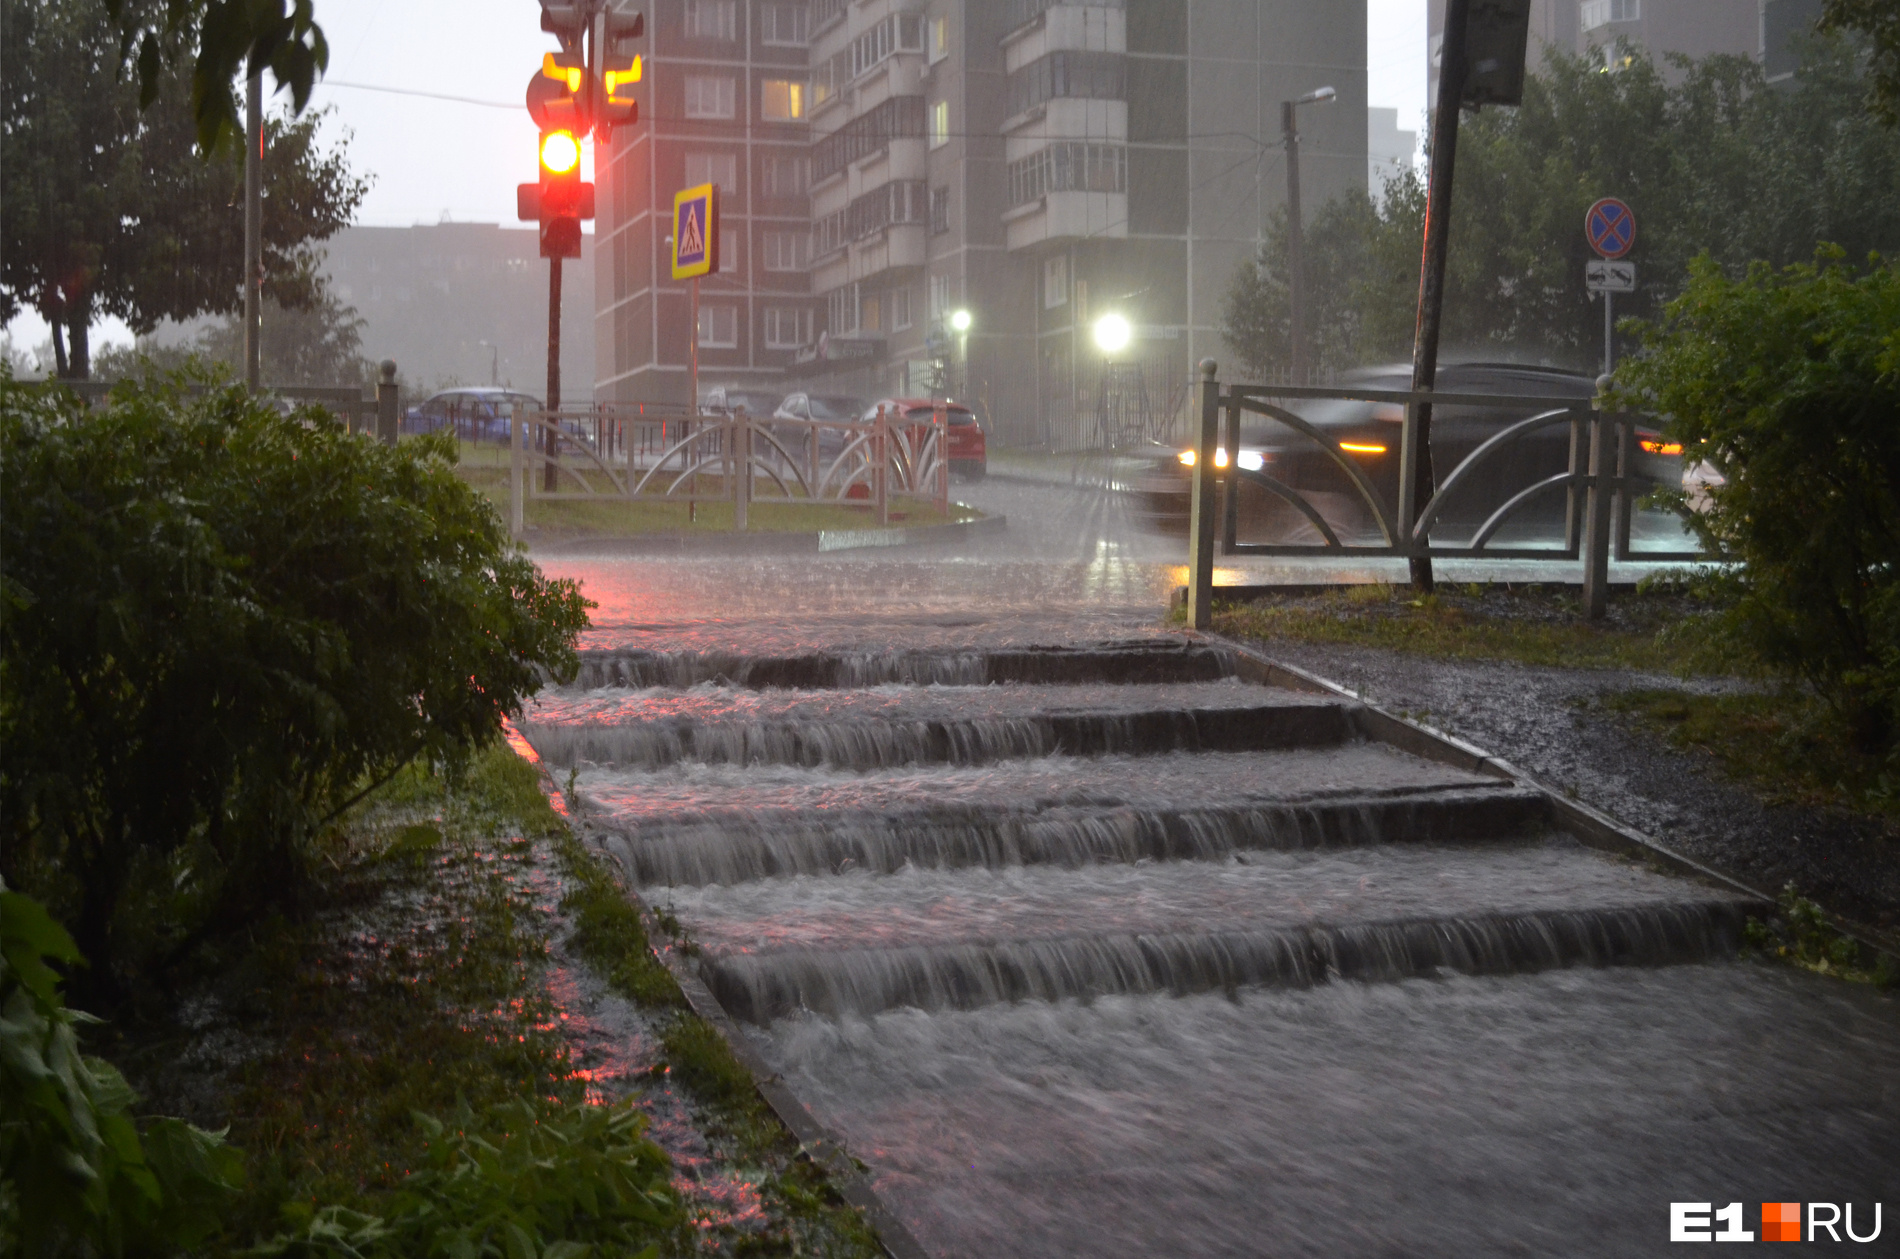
<point x="218" y="623"/>
<point x="77" y="1177"/>
<point x="1788" y="384"/>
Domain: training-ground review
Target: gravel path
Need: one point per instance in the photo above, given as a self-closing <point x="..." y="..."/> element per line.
<point x="1544" y="720"/>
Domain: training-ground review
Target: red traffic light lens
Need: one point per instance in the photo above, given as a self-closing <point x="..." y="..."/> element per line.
<point x="560" y="152"/>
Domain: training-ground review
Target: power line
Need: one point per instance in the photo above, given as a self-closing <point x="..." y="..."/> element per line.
<point x="409" y="91"/>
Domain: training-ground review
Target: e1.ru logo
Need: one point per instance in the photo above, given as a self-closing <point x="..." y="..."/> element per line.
<point x="1780" y="1222"/>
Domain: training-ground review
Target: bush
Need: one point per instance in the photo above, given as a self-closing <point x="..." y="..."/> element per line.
<point x="1788" y="384"/>
<point x="77" y="1177"/>
<point x="218" y="624"/>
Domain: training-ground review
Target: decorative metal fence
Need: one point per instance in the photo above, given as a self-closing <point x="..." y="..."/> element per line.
<point x="1598" y="483"/>
<point x="626" y="453"/>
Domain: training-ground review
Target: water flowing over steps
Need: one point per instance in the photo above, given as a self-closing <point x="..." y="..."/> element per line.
<point x="851" y="832"/>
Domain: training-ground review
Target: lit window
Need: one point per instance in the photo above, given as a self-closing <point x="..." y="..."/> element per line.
<point x="782" y="100"/>
<point x="939" y="124"/>
<point x="712" y="19"/>
<point x="939" y="38"/>
<point x="719" y="326"/>
<point x="708" y="96"/>
<point x="1055" y="282"/>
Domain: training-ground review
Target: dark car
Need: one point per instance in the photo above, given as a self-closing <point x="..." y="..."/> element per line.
<point x="968" y="452"/>
<point x="1368" y="433"/>
<point x="475" y="414"/>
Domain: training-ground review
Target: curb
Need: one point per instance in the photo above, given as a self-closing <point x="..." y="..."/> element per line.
<point x="1589" y="825"/>
<point x="815" y="1141"/>
<point x="749" y="544"/>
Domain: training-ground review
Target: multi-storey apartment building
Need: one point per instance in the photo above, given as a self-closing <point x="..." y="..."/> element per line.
<point x="1034" y="163"/>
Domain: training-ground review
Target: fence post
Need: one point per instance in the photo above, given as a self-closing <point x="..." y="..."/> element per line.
<point x="388" y="422"/>
<point x="1200" y="591"/>
<point x="1408" y="477"/>
<point x="882" y="447"/>
<point x="940" y="420"/>
<point x="742" y="474"/>
<point x="1596" y="516"/>
<point x="516" y="512"/>
<point x="1230" y="507"/>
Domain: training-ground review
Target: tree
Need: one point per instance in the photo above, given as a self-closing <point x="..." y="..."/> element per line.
<point x="1788" y="383"/>
<point x="218" y="624"/>
<point x="1878" y="22"/>
<point x="111" y="212"/>
<point x="1710" y="157"/>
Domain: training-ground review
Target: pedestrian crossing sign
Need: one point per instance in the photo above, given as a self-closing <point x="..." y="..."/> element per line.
<point x="696" y="232"/>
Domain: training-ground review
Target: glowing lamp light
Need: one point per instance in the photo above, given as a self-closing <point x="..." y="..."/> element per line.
<point x="960" y="320"/>
<point x="560" y="152"/>
<point x="1362" y="448"/>
<point x="1112" y="333"/>
<point x="570" y="75"/>
<point x="1661" y="447"/>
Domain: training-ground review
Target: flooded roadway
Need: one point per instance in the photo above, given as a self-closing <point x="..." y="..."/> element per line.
<point x="1085" y="946"/>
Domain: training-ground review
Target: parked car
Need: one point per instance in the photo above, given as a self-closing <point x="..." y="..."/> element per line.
<point x="476" y="413"/>
<point x="968" y="452"/>
<point x="727" y="399"/>
<point x="1368" y="433"/>
<point x="801" y="406"/>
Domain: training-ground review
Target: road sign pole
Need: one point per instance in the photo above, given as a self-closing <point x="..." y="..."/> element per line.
<point x="554" y="368"/>
<point x="1609" y="330"/>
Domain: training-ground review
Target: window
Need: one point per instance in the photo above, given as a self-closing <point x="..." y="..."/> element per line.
<point x="787" y="327"/>
<point x="939" y="39"/>
<point x="782" y="100"/>
<point x="939" y="296"/>
<point x="901" y="32"/>
<point x="900" y="310"/>
<point x="889" y="205"/>
<point x="1602" y="12"/>
<point x="713" y="168"/>
<point x="1068" y="166"/>
<point x="939" y="124"/>
<point x="784" y="25"/>
<point x="787" y="251"/>
<point x="871" y="314"/>
<point x="866" y="134"/>
<point x="712" y="19"/>
<point x="785" y="176"/>
<point x="825" y="12"/>
<point x="708" y="96"/>
<point x="719" y="326"/>
<point x="939" y="211"/>
<point x="1067" y="73"/>
<point x="1055" y="282"/>
<point x="841" y="310"/>
<point x="729" y="250"/>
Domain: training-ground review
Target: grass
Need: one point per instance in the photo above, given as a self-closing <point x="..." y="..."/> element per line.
<point x="400" y="1078"/>
<point x="486" y="468"/>
<point x="1782" y="744"/>
<point x="807" y="1216"/>
<point x="1524" y="624"/>
<point x="1800" y="935"/>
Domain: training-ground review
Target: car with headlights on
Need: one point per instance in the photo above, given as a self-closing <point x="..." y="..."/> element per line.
<point x="1368" y="434"/>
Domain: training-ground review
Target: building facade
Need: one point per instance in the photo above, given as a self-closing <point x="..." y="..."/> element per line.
<point x="1035" y="164"/>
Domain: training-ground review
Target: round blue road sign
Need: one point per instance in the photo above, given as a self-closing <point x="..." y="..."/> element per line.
<point x="1610" y="227"/>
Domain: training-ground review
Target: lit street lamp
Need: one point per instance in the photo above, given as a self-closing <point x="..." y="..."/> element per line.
<point x="1112" y="333"/>
<point x="960" y="322"/>
<point x="1295" y="253"/>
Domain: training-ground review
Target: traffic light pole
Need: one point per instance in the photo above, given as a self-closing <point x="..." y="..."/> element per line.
<point x="554" y="369"/>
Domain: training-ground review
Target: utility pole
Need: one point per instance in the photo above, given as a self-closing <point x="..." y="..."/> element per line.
<point x="253" y="226"/>
<point x="554" y="369"/>
<point x="1295" y="244"/>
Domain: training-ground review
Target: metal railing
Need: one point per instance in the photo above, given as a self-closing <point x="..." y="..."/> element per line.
<point x="629" y="454"/>
<point x="1599" y="483"/>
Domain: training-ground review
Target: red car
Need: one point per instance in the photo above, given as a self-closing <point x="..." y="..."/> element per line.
<point x="969" y="458"/>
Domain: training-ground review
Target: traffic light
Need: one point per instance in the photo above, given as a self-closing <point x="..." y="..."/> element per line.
<point x="619" y="69"/>
<point x="557" y="97"/>
<point x="561" y="199"/>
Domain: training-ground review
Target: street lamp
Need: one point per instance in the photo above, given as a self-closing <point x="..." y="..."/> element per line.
<point x="1112" y="333"/>
<point x="1295" y="254"/>
<point x="960" y="322"/>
